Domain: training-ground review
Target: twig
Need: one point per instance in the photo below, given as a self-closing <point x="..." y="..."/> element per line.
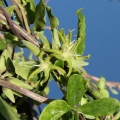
<point x="46" y="2"/>
<point x="108" y="83"/>
<point x="1" y="36"/>
<point x="17" y="11"/>
<point x="21" y="31"/>
<point x="47" y="27"/>
<point x="24" y="16"/>
<point x="25" y="92"/>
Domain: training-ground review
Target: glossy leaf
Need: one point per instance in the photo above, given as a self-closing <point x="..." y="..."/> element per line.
<point x="102" y="107"/>
<point x="35" y="50"/>
<point x="54" y="23"/>
<point x="2" y="44"/>
<point x="9" y="113"/>
<point x="39" y="22"/>
<point x="20" y="83"/>
<point x="75" y="89"/>
<point x="81" y="32"/>
<point x="54" y="110"/>
<point x="30" y="9"/>
<point x="8" y="92"/>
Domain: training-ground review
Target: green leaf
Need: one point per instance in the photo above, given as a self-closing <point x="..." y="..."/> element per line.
<point x="54" y="110"/>
<point x="1" y="3"/>
<point x="78" y="63"/>
<point x="101" y="83"/>
<point x="54" y="23"/>
<point x="35" y="50"/>
<point x="8" y="92"/>
<point x="47" y="90"/>
<point x="55" y="39"/>
<point x="10" y="36"/>
<point x="24" y="68"/>
<point x="68" y="116"/>
<point x="44" y="40"/>
<point x="20" y="83"/>
<point x="81" y="32"/>
<point x="75" y="89"/>
<point x="2" y="64"/>
<point x="114" y="91"/>
<point x="104" y="93"/>
<point x="1" y="117"/>
<point x="2" y="44"/>
<point x="39" y="22"/>
<point x="9" y="113"/>
<point x="7" y="53"/>
<point x="59" y="63"/>
<point x="30" y="9"/>
<point x="117" y="115"/>
<point x="34" y="73"/>
<point x="102" y="107"/>
<point x="10" y="9"/>
<point x="3" y="22"/>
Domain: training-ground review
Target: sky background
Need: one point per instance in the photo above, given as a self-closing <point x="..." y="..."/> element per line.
<point x="102" y="35"/>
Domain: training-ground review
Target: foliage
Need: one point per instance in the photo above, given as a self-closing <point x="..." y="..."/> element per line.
<point x="25" y="76"/>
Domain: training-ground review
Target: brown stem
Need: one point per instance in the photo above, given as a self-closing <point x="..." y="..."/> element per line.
<point x="24" y="91"/>
<point x="108" y="83"/>
<point x="17" y="11"/>
<point x="21" y="31"/>
<point x="46" y="2"/>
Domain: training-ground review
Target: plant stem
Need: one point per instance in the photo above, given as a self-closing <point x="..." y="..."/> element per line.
<point x="24" y="16"/>
<point x="24" y="91"/>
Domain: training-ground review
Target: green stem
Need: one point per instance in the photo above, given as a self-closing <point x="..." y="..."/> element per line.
<point x="47" y="73"/>
<point x="52" y="55"/>
<point x="34" y="73"/>
<point x="57" y="68"/>
<point x="41" y="56"/>
<point x="69" y="66"/>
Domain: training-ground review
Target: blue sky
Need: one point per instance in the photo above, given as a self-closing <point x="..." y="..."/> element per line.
<point x="102" y="35"/>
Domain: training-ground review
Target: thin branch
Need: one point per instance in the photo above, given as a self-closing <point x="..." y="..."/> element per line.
<point x="108" y="83"/>
<point x="24" y="16"/>
<point x="1" y="36"/>
<point x="24" y="91"/>
<point x="47" y="27"/>
<point x="46" y="2"/>
<point x="21" y="31"/>
<point x="17" y="11"/>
